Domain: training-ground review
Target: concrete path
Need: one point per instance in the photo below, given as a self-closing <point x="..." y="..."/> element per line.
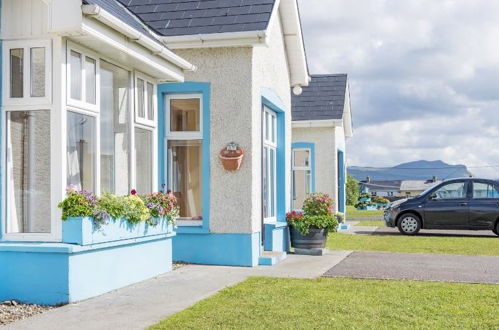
<point x="144" y="304"/>
<point x="422" y="267"/>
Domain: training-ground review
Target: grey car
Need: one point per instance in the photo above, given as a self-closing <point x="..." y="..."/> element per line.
<point x="467" y="204"/>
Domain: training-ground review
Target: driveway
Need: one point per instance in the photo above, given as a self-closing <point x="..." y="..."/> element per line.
<point x="421" y="267"/>
<point x="424" y="232"/>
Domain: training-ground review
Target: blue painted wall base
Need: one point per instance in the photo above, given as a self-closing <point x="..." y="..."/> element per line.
<point x="59" y="273"/>
<point x="217" y="249"/>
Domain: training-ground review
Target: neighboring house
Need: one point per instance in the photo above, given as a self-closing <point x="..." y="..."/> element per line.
<point x="412" y="188"/>
<point x="383" y="188"/>
<point x="92" y="97"/>
<point x="322" y="122"/>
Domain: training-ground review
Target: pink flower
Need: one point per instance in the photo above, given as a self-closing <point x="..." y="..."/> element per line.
<point x="133" y="192"/>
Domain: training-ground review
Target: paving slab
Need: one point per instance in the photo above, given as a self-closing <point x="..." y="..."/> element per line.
<point x="421" y="267"/>
<point x="141" y="305"/>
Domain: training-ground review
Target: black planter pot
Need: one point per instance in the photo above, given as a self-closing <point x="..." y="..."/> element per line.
<point x="315" y="239"/>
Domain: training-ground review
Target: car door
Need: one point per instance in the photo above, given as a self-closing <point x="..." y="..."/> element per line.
<point x="448" y="206"/>
<point x="484" y="205"/>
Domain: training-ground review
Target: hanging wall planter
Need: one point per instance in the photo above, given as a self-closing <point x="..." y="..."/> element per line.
<point x="232" y="157"/>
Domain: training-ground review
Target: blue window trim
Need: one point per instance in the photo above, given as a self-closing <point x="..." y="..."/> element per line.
<point x="188" y="87"/>
<point x="341" y="181"/>
<point x="280" y="156"/>
<point x="311" y="146"/>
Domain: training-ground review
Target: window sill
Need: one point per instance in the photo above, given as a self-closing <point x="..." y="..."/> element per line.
<point x="189" y="223"/>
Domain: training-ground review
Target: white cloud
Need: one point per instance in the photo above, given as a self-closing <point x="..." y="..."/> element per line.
<point x="424" y="76"/>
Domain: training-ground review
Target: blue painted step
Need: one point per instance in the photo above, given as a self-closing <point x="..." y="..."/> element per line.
<point x="270" y="258"/>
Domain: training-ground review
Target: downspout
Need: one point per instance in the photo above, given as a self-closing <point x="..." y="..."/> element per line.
<point x="103" y="16"/>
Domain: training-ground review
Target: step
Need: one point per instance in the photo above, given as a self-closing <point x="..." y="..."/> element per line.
<point x="270" y="258"/>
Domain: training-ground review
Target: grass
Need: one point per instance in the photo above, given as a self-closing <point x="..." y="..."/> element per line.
<point x="415" y="244"/>
<point x="352" y="212"/>
<point x="263" y="303"/>
<point x="373" y="223"/>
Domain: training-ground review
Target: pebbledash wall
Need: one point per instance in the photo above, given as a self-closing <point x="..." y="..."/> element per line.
<point x="241" y="79"/>
<point x="328" y="141"/>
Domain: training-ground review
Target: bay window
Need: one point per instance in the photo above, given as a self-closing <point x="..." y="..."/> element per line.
<point x="302" y="176"/>
<point x="269" y="129"/>
<point x="144" y="159"/>
<point x="185" y="141"/>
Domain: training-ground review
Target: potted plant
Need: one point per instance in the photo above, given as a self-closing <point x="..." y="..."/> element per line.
<point x="380" y="202"/>
<point x="309" y="229"/>
<point x="231" y="156"/>
<point x="88" y="219"/>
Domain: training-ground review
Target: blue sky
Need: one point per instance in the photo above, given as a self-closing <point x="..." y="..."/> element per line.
<point x="424" y="76"/>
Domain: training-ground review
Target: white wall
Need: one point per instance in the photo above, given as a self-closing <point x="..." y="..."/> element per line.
<point x="237" y="76"/>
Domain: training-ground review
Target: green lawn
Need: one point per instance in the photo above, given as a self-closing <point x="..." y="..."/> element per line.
<point x="375" y="223"/>
<point x="352" y="212"/>
<point x="271" y="303"/>
<point x="415" y="244"/>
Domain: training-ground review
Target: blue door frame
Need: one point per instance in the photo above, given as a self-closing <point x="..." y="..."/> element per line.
<point x="341" y="181"/>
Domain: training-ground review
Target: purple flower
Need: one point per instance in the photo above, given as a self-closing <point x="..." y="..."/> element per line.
<point x="133" y="192"/>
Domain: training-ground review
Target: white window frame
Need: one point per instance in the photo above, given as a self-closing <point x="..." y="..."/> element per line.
<point x="193" y="135"/>
<point x="27" y="99"/>
<point x="301" y="168"/>
<point x="55" y="223"/>
<point x="270" y="144"/>
<point x="145" y="120"/>
<point x="83" y="104"/>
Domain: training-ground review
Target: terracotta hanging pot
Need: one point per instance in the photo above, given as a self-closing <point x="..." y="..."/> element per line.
<point x="231" y="157"/>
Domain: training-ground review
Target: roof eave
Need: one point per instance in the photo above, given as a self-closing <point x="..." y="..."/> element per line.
<point x="110" y="20"/>
<point x="316" y="123"/>
<point x="225" y="39"/>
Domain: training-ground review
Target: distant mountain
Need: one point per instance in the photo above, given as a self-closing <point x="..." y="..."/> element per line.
<point x="418" y="170"/>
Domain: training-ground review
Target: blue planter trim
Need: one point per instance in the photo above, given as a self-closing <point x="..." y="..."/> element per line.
<point x="188" y="87"/>
<point x="82" y="231"/>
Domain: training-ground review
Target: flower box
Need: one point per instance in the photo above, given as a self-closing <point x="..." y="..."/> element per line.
<point x="82" y="230"/>
<point x="367" y="208"/>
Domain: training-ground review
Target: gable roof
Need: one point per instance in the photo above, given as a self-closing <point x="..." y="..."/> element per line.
<point x="191" y="17"/>
<point x="322" y="99"/>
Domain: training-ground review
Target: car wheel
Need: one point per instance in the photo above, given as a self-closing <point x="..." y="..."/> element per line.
<point x="409" y="224"/>
<point x="496" y="229"/>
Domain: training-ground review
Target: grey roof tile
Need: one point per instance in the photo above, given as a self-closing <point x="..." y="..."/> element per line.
<point x="208" y="16"/>
<point x="322" y="99"/>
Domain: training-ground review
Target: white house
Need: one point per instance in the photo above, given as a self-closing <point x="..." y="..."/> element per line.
<point x="93" y="97"/>
<point x="322" y="122"/>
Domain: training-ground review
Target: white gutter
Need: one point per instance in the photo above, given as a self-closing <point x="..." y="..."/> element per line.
<point x="105" y="17"/>
<point x="233" y="39"/>
<point x="317" y="123"/>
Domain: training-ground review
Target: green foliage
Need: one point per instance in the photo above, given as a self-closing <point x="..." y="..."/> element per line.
<point x="113" y="205"/>
<point x="162" y="204"/>
<point x="352" y="190"/>
<point x="317" y="212"/>
<point x="78" y="204"/>
<point x="135" y="210"/>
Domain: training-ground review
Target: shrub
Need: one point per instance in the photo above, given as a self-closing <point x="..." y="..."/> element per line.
<point x="78" y="203"/>
<point x="317" y="212"/>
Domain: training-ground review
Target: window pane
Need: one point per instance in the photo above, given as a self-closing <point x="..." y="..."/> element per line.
<point x="267" y="126"/>
<point x="28" y="168"/>
<point x="75" y="68"/>
<point x="143" y="159"/>
<point x="452" y="190"/>
<point x="302" y="158"/>
<point x="185" y="165"/>
<point x="301" y="186"/>
<point x="140" y="98"/>
<point x="90" y="79"/>
<point x="150" y="101"/>
<point x="37" y="72"/>
<point x="114" y="129"/>
<point x="272" y="182"/>
<point x="184" y="115"/>
<point x="484" y="190"/>
<point x="81" y="151"/>
<point x="265" y="183"/>
<point x="16" y="72"/>
<point x="274" y="129"/>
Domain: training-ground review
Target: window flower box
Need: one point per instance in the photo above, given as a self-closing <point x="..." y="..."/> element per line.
<point x="83" y="231"/>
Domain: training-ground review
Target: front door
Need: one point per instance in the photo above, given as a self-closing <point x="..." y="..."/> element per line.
<point x="448" y="206"/>
<point x="484" y="205"/>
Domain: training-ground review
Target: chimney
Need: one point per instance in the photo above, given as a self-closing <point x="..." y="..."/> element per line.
<point x="434" y="179"/>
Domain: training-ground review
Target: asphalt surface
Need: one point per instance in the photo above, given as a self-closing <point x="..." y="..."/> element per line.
<point x="424" y="232"/>
<point x="421" y="267"/>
